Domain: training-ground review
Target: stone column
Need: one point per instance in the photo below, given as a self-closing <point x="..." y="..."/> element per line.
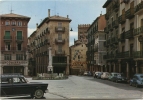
<point x="67" y="69"/>
<point x="50" y="67"/>
<point x="114" y="68"/>
<point x="137" y="67"/>
<point x="25" y="70"/>
<point x="109" y="67"/>
<point x="127" y="70"/>
<point x="119" y="67"/>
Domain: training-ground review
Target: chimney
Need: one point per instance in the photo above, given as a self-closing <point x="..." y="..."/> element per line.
<point x="37" y="25"/>
<point x="48" y="12"/>
<point x="67" y="16"/>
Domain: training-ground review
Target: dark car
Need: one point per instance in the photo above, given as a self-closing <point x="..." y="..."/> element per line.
<point x="137" y="80"/>
<point x="95" y="74"/>
<point x="99" y="74"/>
<point x="117" y="77"/>
<point x="17" y="85"/>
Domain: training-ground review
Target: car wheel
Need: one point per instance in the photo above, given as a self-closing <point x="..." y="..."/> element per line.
<point x="116" y="81"/>
<point x="137" y="85"/>
<point x="130" y="84"/>
<point x="38" y="93"/>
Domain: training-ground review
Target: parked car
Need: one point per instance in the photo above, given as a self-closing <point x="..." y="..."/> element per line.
<point x="89" y="74"/>
<point x="117" y="77"/>
<point x="95" y="74"/>
<point x="105" y="75"/>
<point x="99" y="75"/>
<point x="18" y="85"/>
<point x="85" y="73"/>
<point x="137" y="80"/>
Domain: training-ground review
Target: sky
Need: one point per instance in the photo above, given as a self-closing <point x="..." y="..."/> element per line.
<point x="79" y="11"/>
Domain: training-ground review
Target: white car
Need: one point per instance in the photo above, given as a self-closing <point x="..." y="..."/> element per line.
<point x="105" y="75"/>
<point x="85" y="73"/>
<point x="95" y="74"/>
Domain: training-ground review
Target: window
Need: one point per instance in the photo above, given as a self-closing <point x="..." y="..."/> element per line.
<point x="59" y="24"/>
<point x="19" y="35"/>
<point x="59" y="36"/>
<point x="7" y="46"/>
<point x="59" y="48"/>
<point x="13" y="23"/>
<point x="19" y="47"/>
<point x="19" y="23"/>
<point x="7" y="23"/>
<point x="7" y="57"/>
<point x="19" y="56"/>
<point x="7" y="35"/>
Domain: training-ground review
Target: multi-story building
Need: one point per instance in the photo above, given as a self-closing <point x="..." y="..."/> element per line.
<point x="96" y="39"/>
<point x="78" y="59"/>
<point x="52" y="33"/>
<point x="13" y="39"/>
<point x="78" y="62"/>
<point x="124" y="36"/>
<point x="82" y="33"/>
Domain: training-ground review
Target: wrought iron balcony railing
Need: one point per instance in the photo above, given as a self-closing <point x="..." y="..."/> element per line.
<point x="138" y="31"/>
<point x="139" y="7"/>
<point x="130" y="13"/>
<point x="129" y="34"/>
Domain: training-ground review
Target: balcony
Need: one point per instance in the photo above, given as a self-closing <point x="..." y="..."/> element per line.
<point x="114" y="40"/>
<point x="60" y="52"/>
<point x="19" y="38"/>
<point x="139" y="8"/>
<point x="122" y="37"/>
<point x="60" y="41"/>
<point x="46" y="41"/>
<point x="120" y="55"/>
<point x="110" y="27"/>
<point x="122" y="19"/>
<point x="116" y="6"/>
<point x="129" y="34"/>
<point x="60" y="29"/>
<point x="105" y="44"/>
<point x="107" y="16"/>
<point x="138" y="31"/>
<point x="126" y="54"/>
<point x="130" y="13"/>
<point x="115" y="23"/>
<point x="12" y="49"/>
<point x="106" y="30"/>
<point x="138" y="54"/>
<point x="7" y="38"/>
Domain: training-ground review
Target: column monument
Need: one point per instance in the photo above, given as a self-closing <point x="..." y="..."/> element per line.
<point x="50" y="67"/>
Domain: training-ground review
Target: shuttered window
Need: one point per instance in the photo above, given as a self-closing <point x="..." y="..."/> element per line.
<point x="7" y="35"/>
<point x="19" y="35"/>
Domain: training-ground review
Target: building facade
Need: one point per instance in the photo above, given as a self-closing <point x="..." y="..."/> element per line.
<point x="52" y="33"/>
<point x="13" y="38"/>
<point x="124" y="36"/>
<point x="78" y="62"/>
<point x="96" y="39"/>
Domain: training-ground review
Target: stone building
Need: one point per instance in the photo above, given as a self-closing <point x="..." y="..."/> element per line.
<point x="96" y="49"/>
<point x="13" y="40"/>
<point x="124" y="40"/>
<point x="52" y="33"/>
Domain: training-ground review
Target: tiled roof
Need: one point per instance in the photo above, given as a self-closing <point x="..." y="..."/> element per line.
<point x="13" y="15"/>
<point x="56" y="17"/>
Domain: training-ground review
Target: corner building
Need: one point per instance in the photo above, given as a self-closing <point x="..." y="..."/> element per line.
<point x="52" y="32"/>
<point x="124" y="42"/>
<point x="13" y="43"/>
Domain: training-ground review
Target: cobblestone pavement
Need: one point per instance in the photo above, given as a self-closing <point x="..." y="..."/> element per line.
<point x="84" y="87"/>
<point x="90" y="88"/>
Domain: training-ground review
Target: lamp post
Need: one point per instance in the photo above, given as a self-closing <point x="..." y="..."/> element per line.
<point x="50" y="67"/>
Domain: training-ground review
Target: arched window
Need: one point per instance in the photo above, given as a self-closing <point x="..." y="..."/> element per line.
<point x="7" y="23"/>
<point x="19" y="23"/>
<point x="13" y="23"/>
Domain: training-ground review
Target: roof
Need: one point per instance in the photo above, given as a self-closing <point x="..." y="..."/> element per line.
<point x="107" y="3"/>
<point x="14" y="15"/>
<point x="54" y="18"/>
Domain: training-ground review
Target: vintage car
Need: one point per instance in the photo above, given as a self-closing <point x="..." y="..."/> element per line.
<point x="117" y="77"/>
<point x="105" y="75"/>
<point x="137" y="80"/>
<point x="18" y="85"/>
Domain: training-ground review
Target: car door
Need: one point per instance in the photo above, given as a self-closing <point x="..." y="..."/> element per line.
<point x="6" y="86"/>
<point x="21" y="88"/>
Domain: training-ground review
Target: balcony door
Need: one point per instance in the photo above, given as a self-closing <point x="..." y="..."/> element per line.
<point x="7" y="35"/>
<point x="19" y="35"/>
